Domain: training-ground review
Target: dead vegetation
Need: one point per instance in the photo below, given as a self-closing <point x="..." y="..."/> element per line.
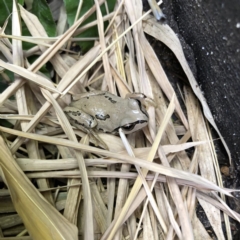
<point x="146" y="186"/>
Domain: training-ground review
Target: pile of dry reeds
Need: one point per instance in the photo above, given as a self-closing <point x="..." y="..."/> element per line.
<point x="144" y="186"/>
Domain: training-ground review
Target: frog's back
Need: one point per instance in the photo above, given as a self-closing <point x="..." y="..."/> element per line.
<point x="105" y="108"/>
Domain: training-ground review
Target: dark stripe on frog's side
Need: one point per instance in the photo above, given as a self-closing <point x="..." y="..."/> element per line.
<point x="110" y="99"/>
<point x="82" y="124"/>
<point x="102" y="117"/>
<point x="132" y="126"/>
<point x="77" y="113"/>
<point x="101" y="130"/>
<point x="78" y="123"/>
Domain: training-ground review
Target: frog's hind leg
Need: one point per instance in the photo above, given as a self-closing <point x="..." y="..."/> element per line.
<point x="99" y="140"/>
<point x="79" y="117"/>
<point x="84" y="122"/>
<point x="94" y="138"/>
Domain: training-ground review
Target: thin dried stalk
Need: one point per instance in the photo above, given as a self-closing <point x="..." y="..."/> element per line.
<point x="41" y="219"/>
<point x="166" y="35"/>
<point x="201" y="182"/>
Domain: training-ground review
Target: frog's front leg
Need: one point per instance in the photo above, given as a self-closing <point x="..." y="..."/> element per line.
<point x="145" y="101"/>
<point x="138" y="96"/>
<point x="84" y="122"/>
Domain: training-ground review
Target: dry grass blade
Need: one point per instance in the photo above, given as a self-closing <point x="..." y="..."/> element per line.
<point x="88" y="211"/>
<point x="142" y="176"/>
<point x="103" y="52"/>
<point x="220" y="206"/>
<point x="171" y="172"/>
<point x="49" y="53"/>
<point x="37" y="30"/>
<point x="106" y="64"/>
<point x="180" y="147"/>
<point x="39" y="80"/>
<point x="36" y="40"/>
<point x="165" y="34"/>
<point x="204" y="157"/>
<point x="41" y="219"/>
<point x="69" y="76"/>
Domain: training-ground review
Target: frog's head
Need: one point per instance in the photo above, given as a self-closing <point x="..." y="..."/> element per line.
<point x="135" y="118"/>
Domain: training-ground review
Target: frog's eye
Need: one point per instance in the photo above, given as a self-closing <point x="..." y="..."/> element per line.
<point x="128" y="127"/>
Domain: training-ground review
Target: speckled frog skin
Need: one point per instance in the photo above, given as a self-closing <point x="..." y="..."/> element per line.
<point x="105" y="112"/>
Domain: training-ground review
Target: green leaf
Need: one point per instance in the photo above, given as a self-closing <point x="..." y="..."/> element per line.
<point x="5" y="12"/>
<point x="25" y="32"/>
<point x="21" y="2"/>
<point x="71" y="9"/>
<point x="10" y="75"/>
<point x="5" y="123"/>
<point x="3" y="85"/>
<point x="42" y="11"/>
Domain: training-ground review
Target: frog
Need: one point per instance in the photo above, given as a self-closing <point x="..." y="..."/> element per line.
<point x="101" y="111"/>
